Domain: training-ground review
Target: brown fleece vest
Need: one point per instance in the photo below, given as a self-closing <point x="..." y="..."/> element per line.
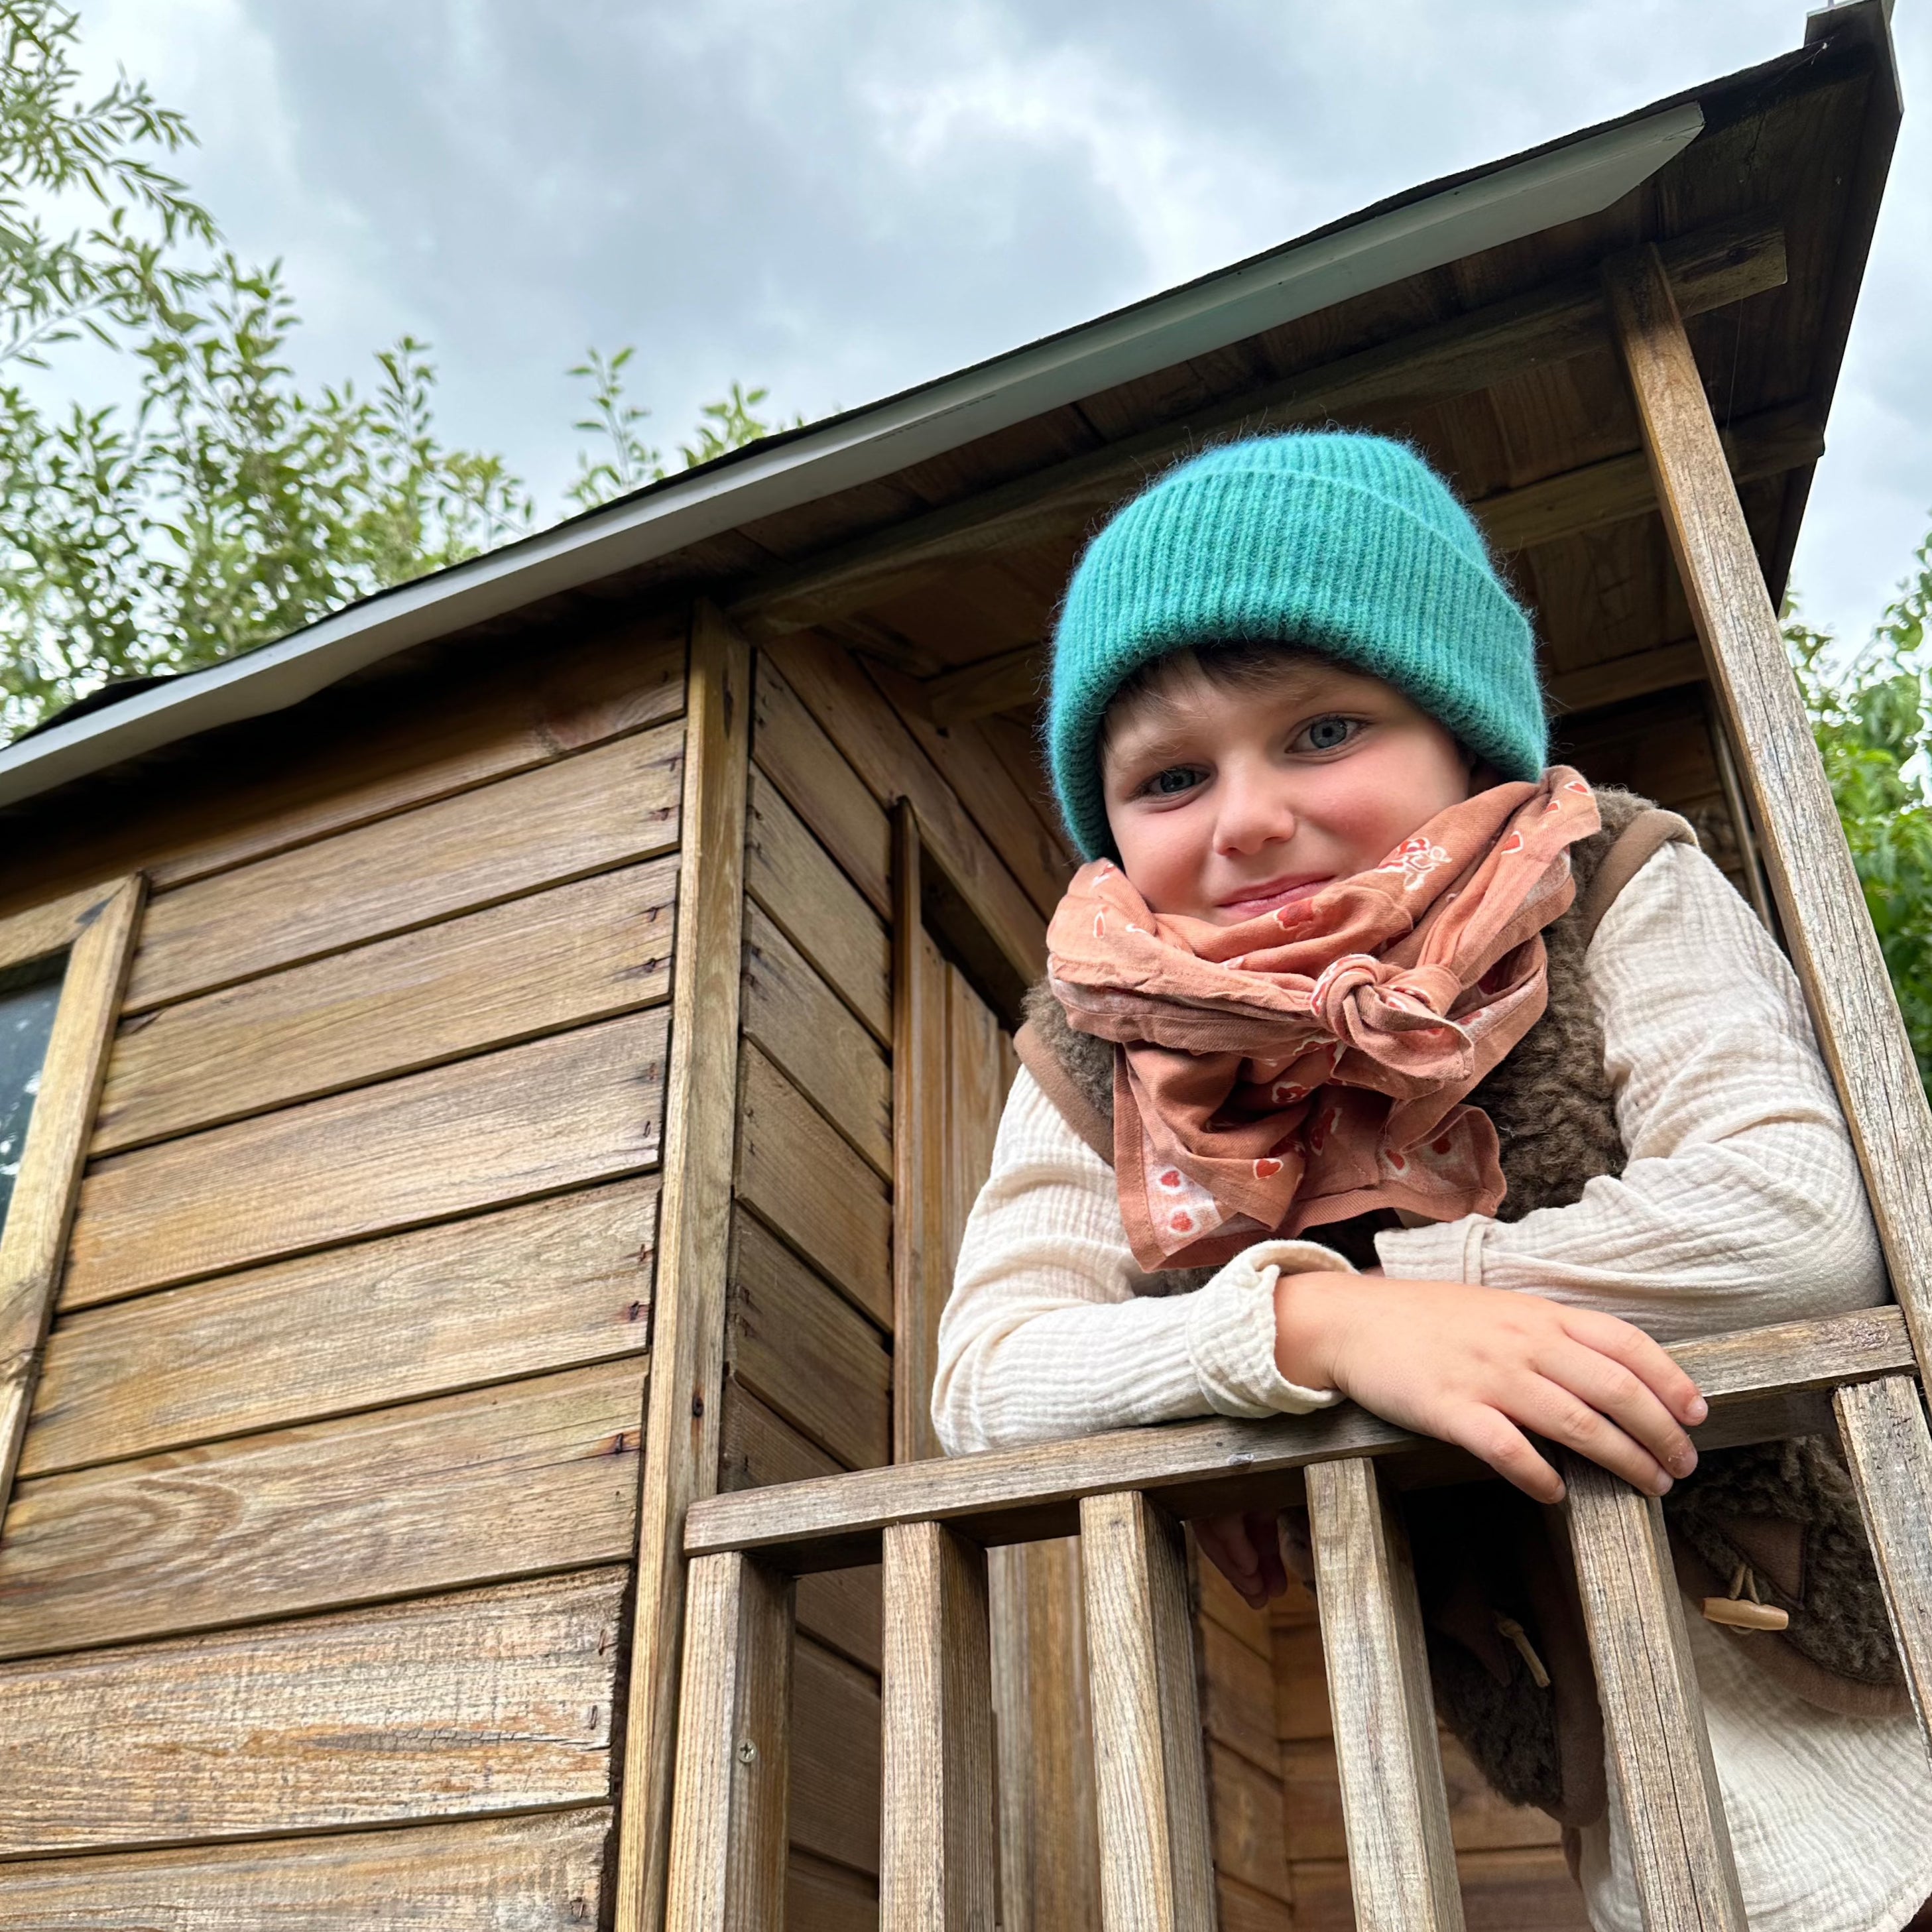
<point x="1486" y="1558"/>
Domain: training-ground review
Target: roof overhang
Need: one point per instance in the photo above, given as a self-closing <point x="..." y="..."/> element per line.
<point x="1512" y="200"/>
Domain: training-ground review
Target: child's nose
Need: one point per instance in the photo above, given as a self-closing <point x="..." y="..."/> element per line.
<point x="1254" y="811"/>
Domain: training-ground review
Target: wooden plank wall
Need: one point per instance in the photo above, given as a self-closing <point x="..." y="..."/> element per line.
<point x="312" y="1585"/>
<point x="836" y="741"/>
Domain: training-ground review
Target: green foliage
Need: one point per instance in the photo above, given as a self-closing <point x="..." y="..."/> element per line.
<point x="229" y="505"/>
<point x="1873" y="719"/>
<point x="58" y="279"/>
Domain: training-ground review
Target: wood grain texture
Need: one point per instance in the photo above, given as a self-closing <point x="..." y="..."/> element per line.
<point x="805" y="1352"/>
<point x="347" y="758"/>
<point x="1202" y="1468"/>
<point x="920" y="1282"/>
<point x="840" y="1608"/>
<point x="728" y="1838"/>
<point x="1049" y="1836"/>
<point x="543" y="1874"/>
<point x="1401" y="1863"/>
<point x="804" y="1030"/>
<point x="1825" y="921"/>
<point x="818" y="908"/>
<point x="530" y="1120"/>
<point x="1467" y="353"/>
<point x="801" y="1179"/>
<point x="681" y="1456"/>
<point x="484" y="1701"/>
<point x="497" y="1483"/>
<point x="1156" y="1868"/>
<point x="1882" y="1426"/>
<point x="829" y="797"/>
<point x="937" y="1858"/>
<point x="1245" y="1821"/>
<point x="586" y="951"/>
<point x="547" y="1286"/>
<point x="1639" y="675"/>
<point x="587" y="813"/>
<point x="835" y="1760"/>
<point x="867" y="731"/>
<point x="1237" y="1698"/>
<point x="993" y="793"/>
<point x="821" y="1896"/>
<point x="35" y="1230"/>
<point x="1659" y="1748"/>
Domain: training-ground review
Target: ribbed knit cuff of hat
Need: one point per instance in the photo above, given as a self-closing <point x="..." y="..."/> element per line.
<point x="1231" y="1332"/>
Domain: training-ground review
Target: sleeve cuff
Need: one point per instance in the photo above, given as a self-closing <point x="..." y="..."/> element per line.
<point x="1438" y="1250"/>
<point x="1231" y="1332"/>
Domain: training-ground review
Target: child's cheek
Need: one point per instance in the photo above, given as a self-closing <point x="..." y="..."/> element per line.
<point x="1165" y="856"/>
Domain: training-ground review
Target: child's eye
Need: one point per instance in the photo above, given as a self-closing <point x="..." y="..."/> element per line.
<point x="1172" y="782"/>
<point x="1326" y="734"/>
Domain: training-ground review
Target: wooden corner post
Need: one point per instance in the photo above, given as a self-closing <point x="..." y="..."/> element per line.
<point x="1832" y="943"/>
<point x="681" y="1435"/>
<point x="1825" y="921"/>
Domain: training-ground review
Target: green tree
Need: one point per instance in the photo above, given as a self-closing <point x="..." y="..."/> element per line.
<point x="1872" y="716"/>
<point x="229" y="505"/>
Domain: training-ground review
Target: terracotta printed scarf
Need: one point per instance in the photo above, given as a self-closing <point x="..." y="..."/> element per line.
<point x="1308" y="1065"/>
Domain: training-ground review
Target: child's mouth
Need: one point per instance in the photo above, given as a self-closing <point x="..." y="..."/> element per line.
<point x="1255" y="901"/>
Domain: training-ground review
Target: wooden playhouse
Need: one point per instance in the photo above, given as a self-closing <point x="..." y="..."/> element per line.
<point x="512" y="1061"/>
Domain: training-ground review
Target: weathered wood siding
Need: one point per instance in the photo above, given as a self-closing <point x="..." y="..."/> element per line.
<point x="327" y="1503"/>
<point x="837" y="742"/>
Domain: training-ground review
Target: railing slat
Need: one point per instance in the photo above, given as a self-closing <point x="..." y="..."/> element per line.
<point x="936" y="1852"/>
<point x="1882" y="1426"/>
<point x="1401" y="1864"/>
<point x="1156" y="1872"/>
<point x="728" y="1825"/>
<point x="1659" y="1748"/>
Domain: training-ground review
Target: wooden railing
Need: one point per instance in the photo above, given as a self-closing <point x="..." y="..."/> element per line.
<point x="1126" y="1496"/>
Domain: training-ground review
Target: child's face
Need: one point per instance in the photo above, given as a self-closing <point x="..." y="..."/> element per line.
<point x="1227" y="800"/>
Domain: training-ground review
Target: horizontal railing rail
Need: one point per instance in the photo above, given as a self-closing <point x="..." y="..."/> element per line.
<point x="1126" y="1494"/>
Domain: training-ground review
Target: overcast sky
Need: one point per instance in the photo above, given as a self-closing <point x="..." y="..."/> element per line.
<point x="838" y="198"/>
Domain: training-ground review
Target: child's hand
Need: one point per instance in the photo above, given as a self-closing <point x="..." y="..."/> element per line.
<point x="1246" y="1550"/>
<point x="1477" y="1366"/>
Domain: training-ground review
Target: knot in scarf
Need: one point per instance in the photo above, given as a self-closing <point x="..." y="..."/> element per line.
<point x="1394" y="1015"/>
<point x="1309" y="1064"/>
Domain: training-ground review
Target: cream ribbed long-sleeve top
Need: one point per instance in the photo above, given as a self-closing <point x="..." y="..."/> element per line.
<point x="1740" y="1205"/>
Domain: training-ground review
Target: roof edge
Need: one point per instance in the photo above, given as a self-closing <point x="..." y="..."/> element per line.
<point x="1565" y="180"/>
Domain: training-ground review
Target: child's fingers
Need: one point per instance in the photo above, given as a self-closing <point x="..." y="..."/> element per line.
<point x="1620" y="1393"/>
<point x="1489" y="1434"/>
<point x="1224" y="1541"/>
<point x="1559" y="1414"/>
<point x="1623" y="1341"/>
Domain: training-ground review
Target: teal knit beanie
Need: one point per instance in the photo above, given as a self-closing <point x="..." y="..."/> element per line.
<point x="1345" y="544"/>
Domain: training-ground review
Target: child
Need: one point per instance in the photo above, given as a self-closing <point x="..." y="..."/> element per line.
<point x="1352" y="986"/>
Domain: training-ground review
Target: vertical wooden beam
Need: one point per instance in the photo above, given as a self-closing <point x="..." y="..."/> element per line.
<point x="1826" y="923"/>
<point x="1402" y="1863"/>
<point x="1049" y="1848"/>
<point x="1659" y="1748"/>
<point x="728" y="1844"/>
<point x="694" y="1232"/>
<point x="1157" y="1874"/>
<point x="97" y="930"/>
<point x="918" y="1147"/>
<point x="1882" y="1426"/>
<point x="936" y="1853"/>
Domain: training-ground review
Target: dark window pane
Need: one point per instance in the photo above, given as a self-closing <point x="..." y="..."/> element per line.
<point x="26" y="1019"/>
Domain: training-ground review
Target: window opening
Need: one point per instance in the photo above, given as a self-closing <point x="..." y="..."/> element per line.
<point x="29" y="997"/>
